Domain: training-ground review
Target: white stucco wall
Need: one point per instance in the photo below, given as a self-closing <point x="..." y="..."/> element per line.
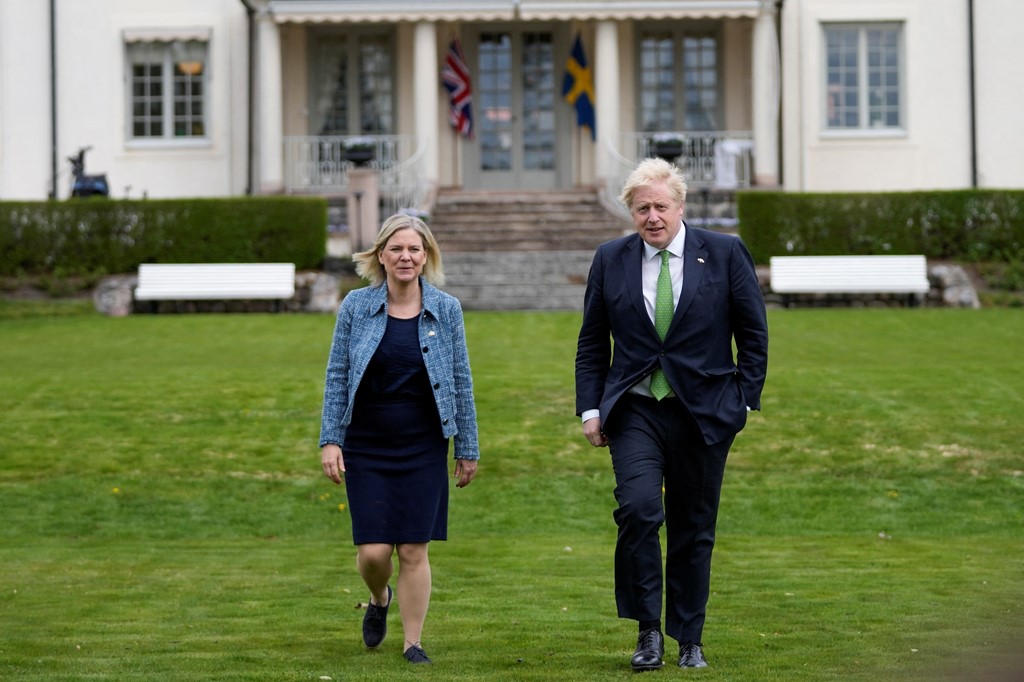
<point x="91" y="99"/>
<point x="999" y="88"/>
<point x="933" y="152"/>
<point x="25" y="156"/>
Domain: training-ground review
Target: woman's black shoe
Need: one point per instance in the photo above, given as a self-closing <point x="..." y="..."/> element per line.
<point x="375" y="623"/>
<point x="415" y="654"/>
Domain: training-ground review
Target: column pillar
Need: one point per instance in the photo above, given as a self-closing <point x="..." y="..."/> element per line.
<point x="607" y="93"/>
<point x="766" y="84"/>
<point x="426" y="98"/>
<point x="270" y="110"/>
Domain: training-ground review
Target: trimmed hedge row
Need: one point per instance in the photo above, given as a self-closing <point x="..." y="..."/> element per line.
<point x="965" y="225"/>
<point x="104" y="236"/>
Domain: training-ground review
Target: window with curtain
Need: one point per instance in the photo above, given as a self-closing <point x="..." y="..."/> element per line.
<point x="863" y="76"/>
<point x="355" y="93"/>
<point x="679" y="80"/>
<point x="168" y="91"/>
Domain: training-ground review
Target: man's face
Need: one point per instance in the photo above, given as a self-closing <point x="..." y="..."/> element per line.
<point x="657" y="216"/>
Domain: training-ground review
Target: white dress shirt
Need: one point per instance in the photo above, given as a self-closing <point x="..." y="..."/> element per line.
<point x="650" y="269"/>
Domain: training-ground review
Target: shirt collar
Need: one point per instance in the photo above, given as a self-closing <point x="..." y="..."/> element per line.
<point x="675" y="247"/>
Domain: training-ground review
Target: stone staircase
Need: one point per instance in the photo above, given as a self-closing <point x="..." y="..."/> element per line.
<point x="520" y="250"/>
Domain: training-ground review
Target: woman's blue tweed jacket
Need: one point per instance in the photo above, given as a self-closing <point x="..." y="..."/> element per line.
<point x="362" y="319"/>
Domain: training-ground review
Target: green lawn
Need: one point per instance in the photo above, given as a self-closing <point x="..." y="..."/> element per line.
<point x="164" y="515"/>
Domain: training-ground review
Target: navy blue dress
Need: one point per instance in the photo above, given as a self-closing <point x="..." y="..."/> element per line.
<point x="396" y="458"/>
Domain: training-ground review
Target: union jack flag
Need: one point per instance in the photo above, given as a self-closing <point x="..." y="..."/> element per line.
<point x="455" y="77"/>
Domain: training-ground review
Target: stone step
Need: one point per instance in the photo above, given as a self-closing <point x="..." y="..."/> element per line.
<point x="542" y="280"/>
<point x="522" y="221"/>
<point x="521" y="250"/>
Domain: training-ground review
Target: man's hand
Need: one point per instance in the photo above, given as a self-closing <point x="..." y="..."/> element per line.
<point x="592" y="432"/>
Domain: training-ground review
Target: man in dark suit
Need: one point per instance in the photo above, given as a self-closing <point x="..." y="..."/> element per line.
<point x="669" y="400"/>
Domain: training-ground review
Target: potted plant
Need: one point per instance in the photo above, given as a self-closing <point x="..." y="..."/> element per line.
<point x="668" y="146"/>
<point x="360" y="150"/>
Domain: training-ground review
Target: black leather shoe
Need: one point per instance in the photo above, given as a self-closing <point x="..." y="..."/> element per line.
<point x="375" y="623"/>
<point x="650" y="647"/>
<point x="692" y="656"/>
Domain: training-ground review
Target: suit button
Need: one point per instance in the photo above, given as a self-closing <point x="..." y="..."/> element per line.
<point x="426" y="349"/>
<point x="437" y="386"/>
<point x="444" y="422"/>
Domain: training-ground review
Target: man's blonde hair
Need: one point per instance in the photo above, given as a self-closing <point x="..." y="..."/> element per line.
<point x="649" y="172"/>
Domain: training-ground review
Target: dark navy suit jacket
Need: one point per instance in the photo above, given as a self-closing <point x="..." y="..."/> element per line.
<point x="720" y="302"/>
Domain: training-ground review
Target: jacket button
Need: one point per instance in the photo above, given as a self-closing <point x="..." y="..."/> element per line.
<point x="426" y="349"/>
<point x="444" y="421"/>
<point x="437" y="386"/>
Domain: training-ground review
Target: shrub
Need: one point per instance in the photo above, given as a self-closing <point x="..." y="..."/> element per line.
<point x="966" y="225"/>
<point x="89" y="236"/>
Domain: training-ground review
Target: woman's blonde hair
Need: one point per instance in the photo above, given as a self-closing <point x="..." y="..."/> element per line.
<point x="368" y="263"/>
<point x="649" y="172"/>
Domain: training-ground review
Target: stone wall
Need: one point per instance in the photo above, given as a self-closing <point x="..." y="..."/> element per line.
<point x="315" y="292"/>
<point x="951" y="287"/>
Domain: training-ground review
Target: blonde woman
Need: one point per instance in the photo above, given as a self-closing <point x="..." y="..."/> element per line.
<point x="398" y="387"/>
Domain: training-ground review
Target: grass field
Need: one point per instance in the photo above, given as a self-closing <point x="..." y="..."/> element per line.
<point x="164" y="515"/>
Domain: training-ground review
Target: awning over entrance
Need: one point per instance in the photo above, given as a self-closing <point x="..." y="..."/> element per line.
<point x="636" y="9"/>
<point x="369" y="11"/>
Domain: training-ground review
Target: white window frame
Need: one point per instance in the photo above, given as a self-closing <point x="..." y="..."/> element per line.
<point x="864" y="70"/>
<point x="170" y="48"/>
<point x="685" y="76"/>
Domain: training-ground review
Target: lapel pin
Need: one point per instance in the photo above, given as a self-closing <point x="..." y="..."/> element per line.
<point x="700" y="260"/>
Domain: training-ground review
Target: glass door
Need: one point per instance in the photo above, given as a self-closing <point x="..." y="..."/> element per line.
<point x="518" y="116"/>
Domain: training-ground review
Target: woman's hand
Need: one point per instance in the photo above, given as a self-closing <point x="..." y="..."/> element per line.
<point x="465" y="472"/>
<point x="333" y="462"/>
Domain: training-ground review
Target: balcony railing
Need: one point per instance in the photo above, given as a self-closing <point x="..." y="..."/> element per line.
<point x="710" y="160"/>
<point x="321" y="164"/>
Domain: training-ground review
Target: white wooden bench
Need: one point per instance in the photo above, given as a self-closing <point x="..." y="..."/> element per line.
<point x="215" y="281"/>
<point x="850" y="275"/>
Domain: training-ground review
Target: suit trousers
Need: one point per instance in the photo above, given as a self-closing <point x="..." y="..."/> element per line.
<point x="655" y="444"/>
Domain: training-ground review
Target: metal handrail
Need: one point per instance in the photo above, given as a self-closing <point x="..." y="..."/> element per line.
<point x="710" y="160"/>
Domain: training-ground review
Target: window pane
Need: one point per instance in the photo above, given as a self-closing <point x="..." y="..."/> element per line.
<point x="842" y="77"/>
<point x="375" y="86"/>
<point x="537" y="113"/>
<point x="884" y="76"/>
<point x="495" y="124"/>
<point x="189" y="69"/>
<point x="700" y="72"/>
<point x="657" y="83"/>
<point x="167" y="88"/>
<point x="331" y="98"/>
<point x="862" y="76"/>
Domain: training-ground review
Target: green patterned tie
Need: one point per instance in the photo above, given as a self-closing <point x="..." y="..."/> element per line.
<point x="662" y="319"/>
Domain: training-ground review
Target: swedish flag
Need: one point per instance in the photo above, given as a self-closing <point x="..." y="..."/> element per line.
<point x="578" y="87"/>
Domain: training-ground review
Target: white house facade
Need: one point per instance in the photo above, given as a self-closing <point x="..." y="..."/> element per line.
<point x="229" y="97"/>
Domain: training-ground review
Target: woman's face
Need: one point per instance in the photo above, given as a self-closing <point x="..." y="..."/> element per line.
<point x="403" y="256"/>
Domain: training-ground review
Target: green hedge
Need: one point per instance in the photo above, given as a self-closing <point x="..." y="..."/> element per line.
<point x="104" y="236"/>
<point x="966" y="225"/>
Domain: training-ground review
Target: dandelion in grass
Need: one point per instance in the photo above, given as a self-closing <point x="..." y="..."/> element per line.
<point x="341" y="507"/>
<point x="115" y="490"/>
